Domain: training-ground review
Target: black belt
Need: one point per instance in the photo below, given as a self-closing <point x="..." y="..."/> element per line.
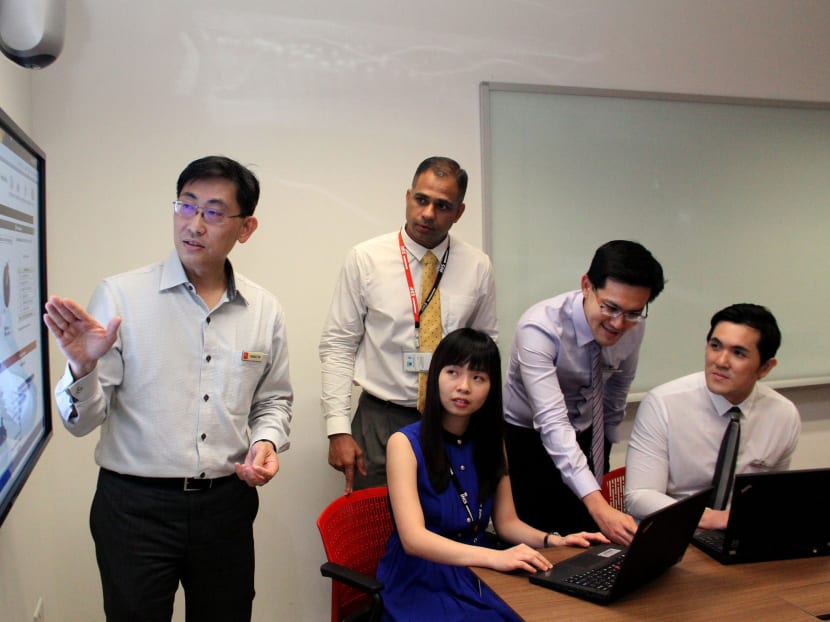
<point x="385" y="403"/>
<point x="185" y="484"/>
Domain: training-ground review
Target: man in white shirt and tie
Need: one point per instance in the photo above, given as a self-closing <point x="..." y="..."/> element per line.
<point x="377" y="333"/>
<point x="680" y="426"/>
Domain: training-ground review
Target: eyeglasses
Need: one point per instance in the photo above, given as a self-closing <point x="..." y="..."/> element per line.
<point x="609" y="309"/>
<point x="211" y="216"/>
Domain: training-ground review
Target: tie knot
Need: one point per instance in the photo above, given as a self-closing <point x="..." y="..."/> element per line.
<point x="430" y="259"/>
<point x="734" y="412"/>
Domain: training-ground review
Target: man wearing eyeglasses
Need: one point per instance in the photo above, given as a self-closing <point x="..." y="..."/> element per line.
<point x="572" y="362"/>
<point x="183" y="365"/>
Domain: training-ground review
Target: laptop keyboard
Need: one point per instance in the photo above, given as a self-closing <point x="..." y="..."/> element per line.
<point x="712" y="538"/>
<point x="601" y="578"/>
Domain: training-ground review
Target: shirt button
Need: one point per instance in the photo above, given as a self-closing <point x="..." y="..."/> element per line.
<point x="206" y="398"/>
<point x="204" y="436"/>
<point x="207" y="358"/>
<point x="202" y="474"/>
<point x="208" y="320"/>
<point x="459" y="441"/>
<point x="462" y="468"/>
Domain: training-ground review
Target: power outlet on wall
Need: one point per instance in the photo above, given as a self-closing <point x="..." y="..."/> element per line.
<point x="39" y="615"/>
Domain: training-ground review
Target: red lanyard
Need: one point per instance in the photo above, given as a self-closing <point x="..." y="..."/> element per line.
<point x="413" y="296"/>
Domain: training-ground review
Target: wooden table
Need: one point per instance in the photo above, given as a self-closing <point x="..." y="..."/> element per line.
<point x="697" y="588"/>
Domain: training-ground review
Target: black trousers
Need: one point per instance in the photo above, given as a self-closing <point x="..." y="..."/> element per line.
<point x="374" y="422"/>
<point x="542" y="499"/>
<point x="148" y="538"/>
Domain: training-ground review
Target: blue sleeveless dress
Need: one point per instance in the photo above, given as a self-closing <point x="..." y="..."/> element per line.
<point x="418" y="590"/>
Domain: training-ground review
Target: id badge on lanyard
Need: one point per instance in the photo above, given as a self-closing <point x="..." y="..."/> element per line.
<point x="417" y="361"/>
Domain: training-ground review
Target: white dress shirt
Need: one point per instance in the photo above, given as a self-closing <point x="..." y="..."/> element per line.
<point x="677" y="434"/>
<point x="176" y="396"/>
<point x="548" y="383"/>
<point x="371" y="323"/>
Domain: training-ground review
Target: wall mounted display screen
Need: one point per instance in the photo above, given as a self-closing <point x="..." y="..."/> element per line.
<point x="25" y="402"/>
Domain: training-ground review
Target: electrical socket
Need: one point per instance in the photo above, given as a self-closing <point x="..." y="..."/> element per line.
<point x="39" y="615"/>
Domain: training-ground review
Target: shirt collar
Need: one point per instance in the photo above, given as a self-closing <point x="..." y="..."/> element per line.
<point x="173" y="275"/>
<point x="584" y="336"/>
<point x="722" y="405"/>
<point x="455" y="440"/>
<point x="172" y="272"/>
<point x="418" y="251"/>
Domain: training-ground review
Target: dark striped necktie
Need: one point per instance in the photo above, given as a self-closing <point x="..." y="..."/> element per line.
<point x="727" y="457"/>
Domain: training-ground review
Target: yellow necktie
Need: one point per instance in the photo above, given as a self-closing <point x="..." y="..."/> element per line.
<point x="430" y="331"/>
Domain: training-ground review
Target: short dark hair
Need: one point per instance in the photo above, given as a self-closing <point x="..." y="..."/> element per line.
<point x="466" y="346"/>
<point x="444" y="167"/>
<point x="755" y="316"/>
<point x="628" y="262"/>
<point x="220" y="167"/>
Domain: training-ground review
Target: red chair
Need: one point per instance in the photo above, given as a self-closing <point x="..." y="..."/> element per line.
<point x="613" y="488"/>
<point x="354" y="530"/>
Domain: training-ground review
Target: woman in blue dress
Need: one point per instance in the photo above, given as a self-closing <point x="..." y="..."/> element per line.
<point x="447" y="476"/>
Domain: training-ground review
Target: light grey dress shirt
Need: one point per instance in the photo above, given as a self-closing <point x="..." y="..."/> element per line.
<point x="185" y="389"/>
<point x="370" y="324"/>
<point x="548" y="383"/>
<point x="677" y="435"/>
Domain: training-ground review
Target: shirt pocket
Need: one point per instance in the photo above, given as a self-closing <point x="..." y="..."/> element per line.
<point x="245" y="370"/>
<point x="456" y="310"/>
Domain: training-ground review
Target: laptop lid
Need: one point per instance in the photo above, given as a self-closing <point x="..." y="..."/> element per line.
<point x="778" y="515"/>
<point x="660" y="541"/>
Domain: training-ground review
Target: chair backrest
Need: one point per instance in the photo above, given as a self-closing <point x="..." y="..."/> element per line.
<point x="613" y="488"/>
<point x="354" y="529"/>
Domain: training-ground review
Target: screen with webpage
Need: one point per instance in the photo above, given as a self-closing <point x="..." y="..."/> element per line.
<point x="25" y="407"/>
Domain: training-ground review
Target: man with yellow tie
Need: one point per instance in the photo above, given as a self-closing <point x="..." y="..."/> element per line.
<point x="396" y="296"/>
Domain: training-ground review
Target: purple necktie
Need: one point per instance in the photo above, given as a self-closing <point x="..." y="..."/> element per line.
<point x="597" y="416"/>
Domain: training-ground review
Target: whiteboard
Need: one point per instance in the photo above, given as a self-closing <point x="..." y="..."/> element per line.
<point x="732" y="196"/>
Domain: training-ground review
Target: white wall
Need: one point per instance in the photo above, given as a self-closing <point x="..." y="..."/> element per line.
<point x="334" y="104"/>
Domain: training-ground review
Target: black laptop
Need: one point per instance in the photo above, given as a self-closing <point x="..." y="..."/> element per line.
<point x="781" y="515"/>
<point x="605" y="572"/>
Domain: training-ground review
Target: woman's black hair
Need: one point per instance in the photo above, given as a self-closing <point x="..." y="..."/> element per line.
<point x="466" y="346"/>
